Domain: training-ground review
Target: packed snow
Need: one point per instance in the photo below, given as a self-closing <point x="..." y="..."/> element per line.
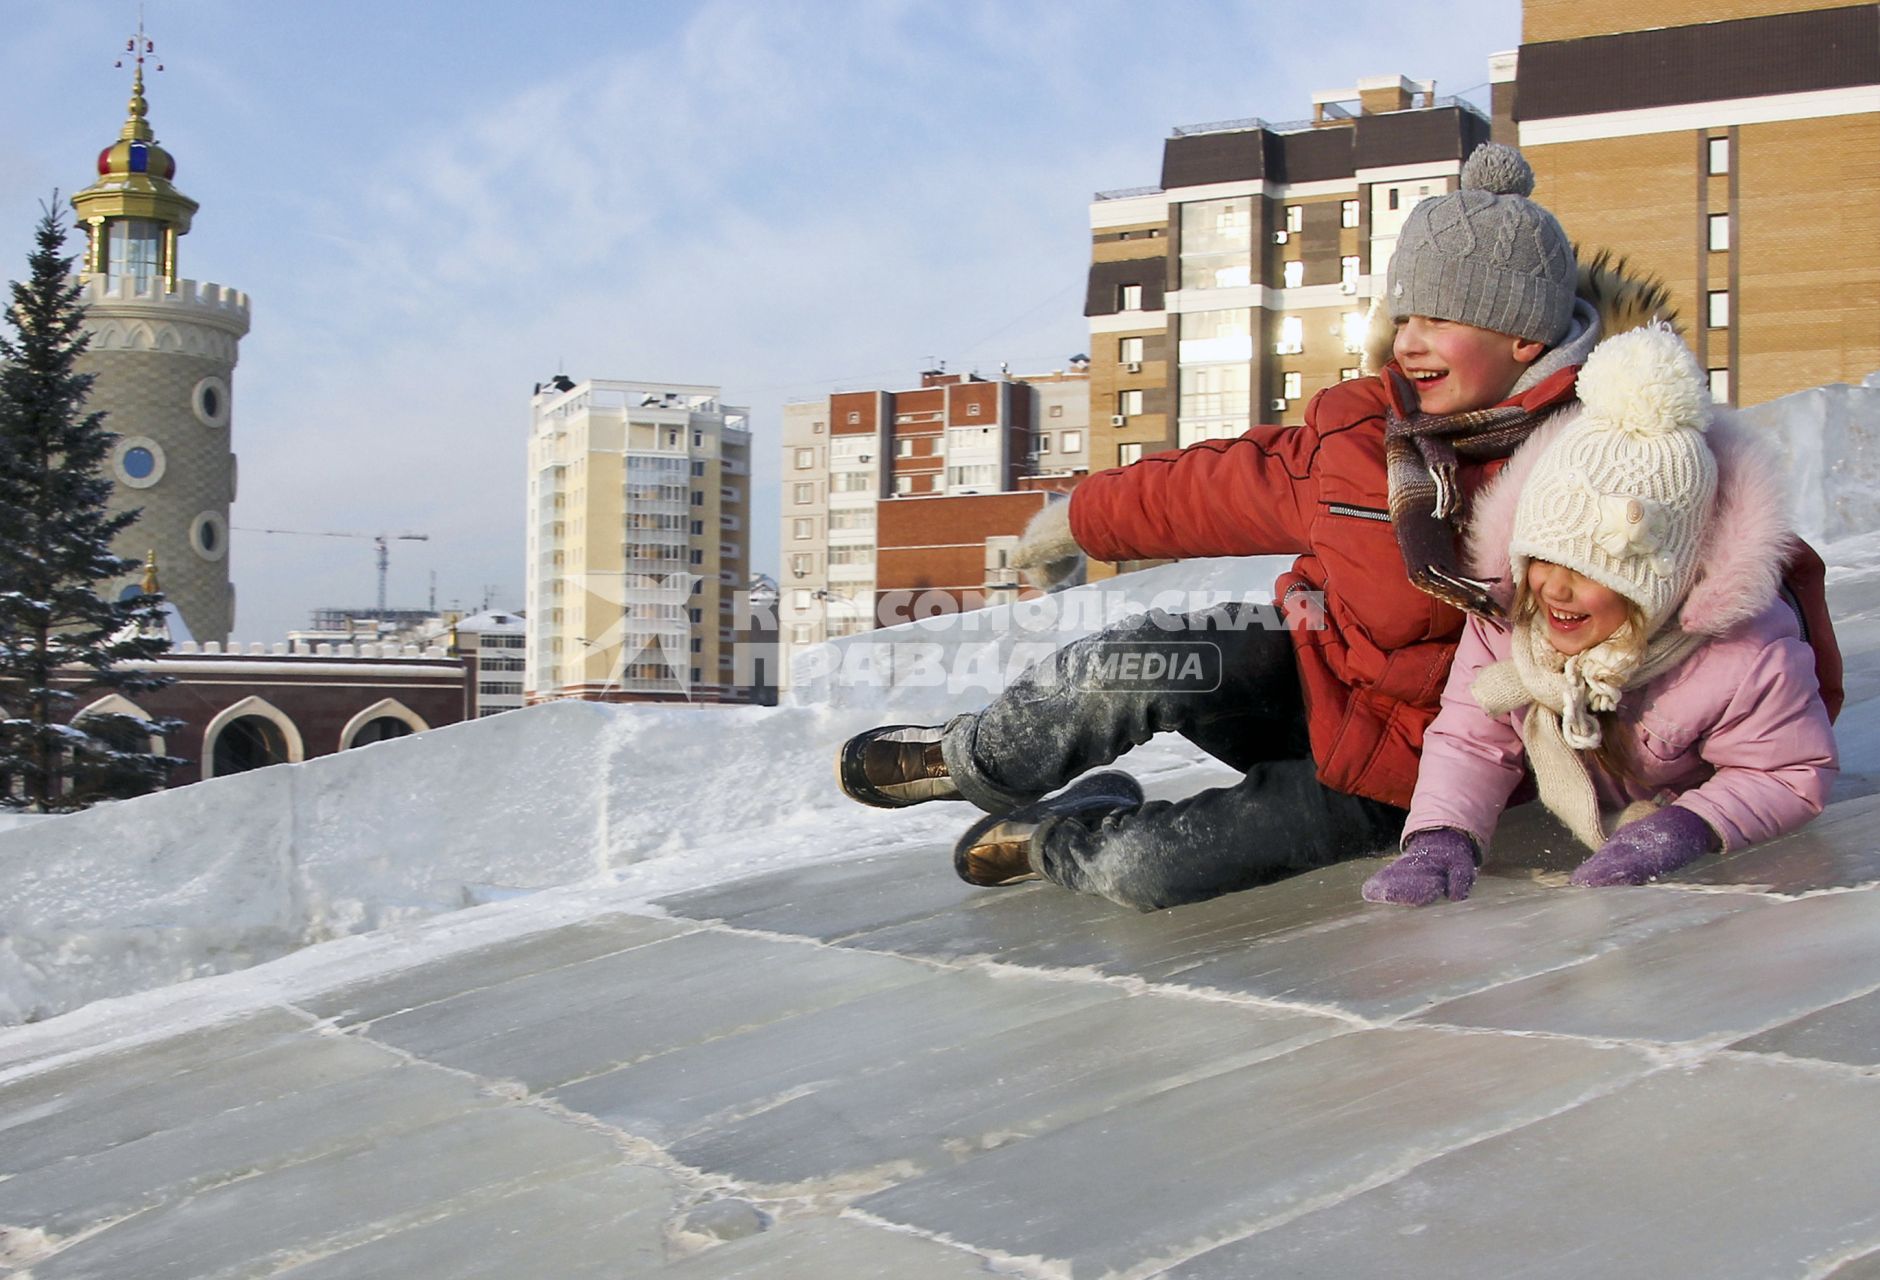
<point x="524" y="821"/>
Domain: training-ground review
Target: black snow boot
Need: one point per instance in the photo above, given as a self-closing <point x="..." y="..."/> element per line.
<point x="996" y="850"/>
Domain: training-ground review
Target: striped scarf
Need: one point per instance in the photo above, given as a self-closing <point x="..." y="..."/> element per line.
<point x="1422" y="458"/>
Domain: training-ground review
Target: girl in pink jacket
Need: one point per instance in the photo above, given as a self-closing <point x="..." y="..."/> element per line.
<point x="1651" y="676"/>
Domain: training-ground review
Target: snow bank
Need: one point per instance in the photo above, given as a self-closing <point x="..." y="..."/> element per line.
<point x="1830" y="438"/>
<point x="235" y="871"/>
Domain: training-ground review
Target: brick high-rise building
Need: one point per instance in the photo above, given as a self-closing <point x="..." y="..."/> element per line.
<point x="962" y="461"/>
<point x="1731" y="147"/>
<point x="1236" y="288"/>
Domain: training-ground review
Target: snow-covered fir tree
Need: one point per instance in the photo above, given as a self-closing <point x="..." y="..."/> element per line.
<point x="62" y="644"/>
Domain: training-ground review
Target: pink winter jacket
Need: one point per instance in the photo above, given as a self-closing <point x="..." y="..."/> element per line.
<point x="1737" y="733"/>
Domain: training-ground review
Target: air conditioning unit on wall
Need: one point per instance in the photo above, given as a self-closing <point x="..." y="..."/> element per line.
<point x="1118" y="420"/>
<point x="1279" y="404"/>
<point x="1134" y="366"/>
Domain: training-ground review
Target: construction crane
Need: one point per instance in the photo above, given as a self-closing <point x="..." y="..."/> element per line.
<point x="379" y="540"/>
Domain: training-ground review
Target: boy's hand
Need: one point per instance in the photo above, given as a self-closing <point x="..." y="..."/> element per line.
<point x="1046" y="553"/>
<point x="1651" y="847"/>
<point x="1438" y="863"/>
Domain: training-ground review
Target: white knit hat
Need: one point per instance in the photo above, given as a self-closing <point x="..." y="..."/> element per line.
<point x="1622" y="495"/>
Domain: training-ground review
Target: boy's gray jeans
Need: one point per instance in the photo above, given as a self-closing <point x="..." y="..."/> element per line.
<point x="1154" y="673"/>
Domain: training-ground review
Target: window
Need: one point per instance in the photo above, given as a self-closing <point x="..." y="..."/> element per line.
<point x="802" y="527"/>
<point x="1071" y="441"/>
<point x="698" y="645"/>
<point x="800" y="565"/>
<point x="861" y="553"/>
<point x="697" y="675"/>
<point x="1719" y="232"/>
<point x="1348" y="274"/>
<point x="903" y="448"/>
<point x="1346" y="375"/>
<point x="904" y="484"/>
<point x="1348" y="213"/>
<point x="1717" y="309"/>
<point x="980" y="475"/>
<point x="802" y="633"/>
<point x="1129" y="350"/>
<point x="698" y="556"/>
<point x="1129" y="297"/>
<point x="1390" y="198"/>
<point x="1128" y="453"/>
<point x="1295" y="217"/>
<point x="698" y="527"/>
<point x="1292" y="336"/>
<point x="805" y="459"/>
<point x="1720" y="385"/>
<point x="972" y="411"/>
<point x="855" y="417"/>
<point x="802" y="494"/>
<point x="1295" y="274"/>
<point x="1292" y="384"/>
<point x="1044" y="444"/>
<point x="1129" y="403"/>
<point x="1718" y="154"/>
<point x="1057" y="411"/>
<point x="1217" y="243"/>
<point x="816" y="428"/>
<point x="698" y="439"/>
<point x="1351" y="330"/>
<point x="698" y="615"/>
<point x="698" y="499"/>
<point x="698" y="468"/>
<point x="852" y="518"/>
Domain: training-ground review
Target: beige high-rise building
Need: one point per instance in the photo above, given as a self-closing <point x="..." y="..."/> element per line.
<point x="638" y="537"/>
<point x="1732" y="147"/>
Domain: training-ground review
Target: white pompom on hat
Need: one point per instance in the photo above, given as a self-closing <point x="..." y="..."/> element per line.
<point x="1622" y="495"/>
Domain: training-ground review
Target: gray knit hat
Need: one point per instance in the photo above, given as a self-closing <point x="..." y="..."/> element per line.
<point x="1486" y="255"/>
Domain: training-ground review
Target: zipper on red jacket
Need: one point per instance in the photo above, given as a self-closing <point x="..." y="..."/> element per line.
<point x="1362" y="513"/>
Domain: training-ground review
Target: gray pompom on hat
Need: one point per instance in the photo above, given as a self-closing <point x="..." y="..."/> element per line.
<point x="1486" y="255"/>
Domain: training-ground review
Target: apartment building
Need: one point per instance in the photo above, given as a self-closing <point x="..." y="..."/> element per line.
<point x="950" y="457"/>
<point x="495" y="642"/>
<point x="1238" y="286"/>
<point x="639" y="510"/>
<point x="1732" y="147"/>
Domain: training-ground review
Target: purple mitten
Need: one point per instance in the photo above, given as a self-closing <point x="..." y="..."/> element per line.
<point x="1436" y="863"/>
<point x="1651" y="847"/>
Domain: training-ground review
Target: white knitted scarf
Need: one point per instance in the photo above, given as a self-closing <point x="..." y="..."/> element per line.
<point x="1562" y="694"/>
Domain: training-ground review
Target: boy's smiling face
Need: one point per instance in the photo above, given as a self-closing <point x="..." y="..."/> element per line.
<point x="1456" y="367"/>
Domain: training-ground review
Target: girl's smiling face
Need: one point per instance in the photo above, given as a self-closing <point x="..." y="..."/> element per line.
<point x="1456" y="367"/>
<point x="1575" y="612"/>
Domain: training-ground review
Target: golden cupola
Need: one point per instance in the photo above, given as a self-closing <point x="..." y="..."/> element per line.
<point x="132" y="213"/>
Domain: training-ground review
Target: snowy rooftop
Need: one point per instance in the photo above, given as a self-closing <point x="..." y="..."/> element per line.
<point x="701" y="1018"/>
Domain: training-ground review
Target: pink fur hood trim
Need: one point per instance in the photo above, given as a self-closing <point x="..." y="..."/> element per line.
<point x="1743" y="548"/>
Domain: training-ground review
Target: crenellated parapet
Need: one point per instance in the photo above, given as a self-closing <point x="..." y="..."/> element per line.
<point x="126" y="314"/>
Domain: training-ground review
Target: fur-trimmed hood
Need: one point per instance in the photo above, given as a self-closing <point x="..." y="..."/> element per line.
<point x="1745" y="543"/>
<point x="1623" y="297"/>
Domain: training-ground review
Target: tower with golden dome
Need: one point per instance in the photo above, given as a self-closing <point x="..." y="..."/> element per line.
<point x="163" y="352"/>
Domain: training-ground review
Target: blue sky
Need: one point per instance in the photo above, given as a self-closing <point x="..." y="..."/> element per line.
<point x="435" y="205"/>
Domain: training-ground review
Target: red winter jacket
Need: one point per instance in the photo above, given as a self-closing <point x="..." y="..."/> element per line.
<point x="1373" y="674"/>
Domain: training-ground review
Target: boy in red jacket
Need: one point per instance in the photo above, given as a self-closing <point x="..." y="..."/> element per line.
<point x="1326" y="720"/>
